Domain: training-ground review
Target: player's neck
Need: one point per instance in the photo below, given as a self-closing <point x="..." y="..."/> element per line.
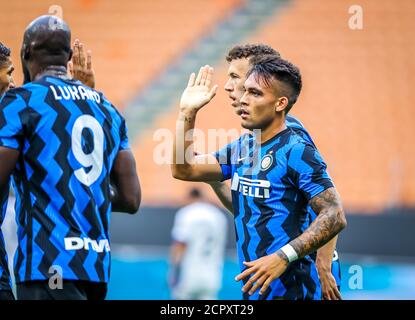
<point x="272" y="130"/>
<point x="53" y="71"/>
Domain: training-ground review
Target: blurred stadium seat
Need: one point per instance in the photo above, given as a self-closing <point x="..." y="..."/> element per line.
<point x="356" y="101"/>
<point x="132" y="41"/>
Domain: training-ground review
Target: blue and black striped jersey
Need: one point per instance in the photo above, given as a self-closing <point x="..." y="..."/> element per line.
<point x="68" y="136"/>
<point x="295" y="124"/>
<point x="5" y="280"/>
<point x="271" y="186"/>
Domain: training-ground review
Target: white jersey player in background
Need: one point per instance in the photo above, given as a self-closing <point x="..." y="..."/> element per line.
<point x="198" y="250"/>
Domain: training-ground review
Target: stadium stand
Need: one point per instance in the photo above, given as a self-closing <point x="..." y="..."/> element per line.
<point x="360" y="108"/>
<point x="356" y="101"/>
<point x="355" y="82"/>
<point x="126" y="55"/>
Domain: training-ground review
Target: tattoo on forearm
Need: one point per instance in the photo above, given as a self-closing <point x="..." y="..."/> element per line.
<point x="282" y="255"/>
<point x="188" y="119"/>
<point x="329" y="222"/>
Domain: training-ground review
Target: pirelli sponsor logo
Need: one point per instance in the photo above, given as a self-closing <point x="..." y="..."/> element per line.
<point x="251" y="187"/>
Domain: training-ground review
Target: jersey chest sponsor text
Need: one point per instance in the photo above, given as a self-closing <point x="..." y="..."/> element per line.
<point x="75" y="243"/>
<point x="255" y="188"/>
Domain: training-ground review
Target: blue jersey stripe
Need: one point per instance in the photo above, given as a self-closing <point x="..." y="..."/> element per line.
<point x="63" y="208"/>
<point x="270" y="195"/>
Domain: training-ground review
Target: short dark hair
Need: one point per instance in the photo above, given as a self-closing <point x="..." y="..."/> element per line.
<point x="266" y="68"/>
<point x="4" y="53"/>
<point x="250" y="50"/>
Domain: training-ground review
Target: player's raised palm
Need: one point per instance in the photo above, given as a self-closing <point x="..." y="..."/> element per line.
<point x="198" y="91"/>
<point x="81" y="68"/>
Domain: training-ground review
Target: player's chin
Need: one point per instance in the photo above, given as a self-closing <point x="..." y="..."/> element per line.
<point x="247" y="125"/>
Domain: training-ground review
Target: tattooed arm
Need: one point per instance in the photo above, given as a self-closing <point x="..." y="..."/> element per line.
<point x="329" y="222"/>
<point x="324" y="262"/>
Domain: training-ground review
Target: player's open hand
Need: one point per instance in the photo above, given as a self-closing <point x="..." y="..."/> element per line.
<point x="198" y="92"/>
<point x="80" y="67"/>
<point x="263" y="271"/>
<point x="329" y="288"/>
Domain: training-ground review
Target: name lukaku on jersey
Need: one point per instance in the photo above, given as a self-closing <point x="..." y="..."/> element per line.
<point x="74" y="93"/>
<point x="251" y="187"/>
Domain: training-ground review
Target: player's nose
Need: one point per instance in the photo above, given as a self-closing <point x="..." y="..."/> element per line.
<point x="244" y="100"/>
<point x="229" y="86"/>
<point x="11" y="85"/>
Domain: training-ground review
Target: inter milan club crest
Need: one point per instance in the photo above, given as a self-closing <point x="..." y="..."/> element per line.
<point x="266" y="162"/>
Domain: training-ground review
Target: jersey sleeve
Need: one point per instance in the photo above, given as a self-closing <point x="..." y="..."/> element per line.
<point x="223" y="156"/>
<point x="307" y="170"/>
<point x="123" y="131"/>
<point x="296" y="125"/>
<point x="5" y="280"/>
<point x="227" y="156"/>
<point x="12" y="106"/>
<point x="124" y="144"/>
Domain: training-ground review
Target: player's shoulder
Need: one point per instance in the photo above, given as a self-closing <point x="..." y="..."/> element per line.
<point x="302" y="154"/>
<point x="19" y="97"/>
<point x="199" y="210"/>
<point x="185" y="215"/>
<point x="244" y="139"/>
<point x="112" y="109"/>
<point x="298" y="127"/>
<point x="19" y="92"/>
<point x="190" y="209"/>
<point x="297" y="143"/>
<point x="293" y="122"/>
<point x="233" y="148"/>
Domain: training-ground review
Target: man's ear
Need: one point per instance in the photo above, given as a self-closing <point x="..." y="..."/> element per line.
<point x="70" y="54"/>
<point x="26" y="52"/>
<point x="281" y="104"/>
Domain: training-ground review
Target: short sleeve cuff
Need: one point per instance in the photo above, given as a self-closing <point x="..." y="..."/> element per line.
<point x="9" y="143"/>
<point x="225" y="168"/>
<point x="319" y="188"/>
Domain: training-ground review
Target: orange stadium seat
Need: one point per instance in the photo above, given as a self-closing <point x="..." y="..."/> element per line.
<point x="356" y="100"/>
<point x="132" y="41"/>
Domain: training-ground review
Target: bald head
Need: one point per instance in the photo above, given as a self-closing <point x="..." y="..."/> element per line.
<point x="46" y="42"/>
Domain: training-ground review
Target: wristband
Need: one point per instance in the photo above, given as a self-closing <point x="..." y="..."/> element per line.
<point x="289" y="252"/>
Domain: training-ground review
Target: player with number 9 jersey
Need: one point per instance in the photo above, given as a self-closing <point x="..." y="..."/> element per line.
<point x="68" y="137"/>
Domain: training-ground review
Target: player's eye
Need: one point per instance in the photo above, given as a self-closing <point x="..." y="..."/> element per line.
<point x="255" y="93"/>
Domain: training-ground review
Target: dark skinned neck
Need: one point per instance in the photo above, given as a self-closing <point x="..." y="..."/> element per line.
<point x="54" y="71"/>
